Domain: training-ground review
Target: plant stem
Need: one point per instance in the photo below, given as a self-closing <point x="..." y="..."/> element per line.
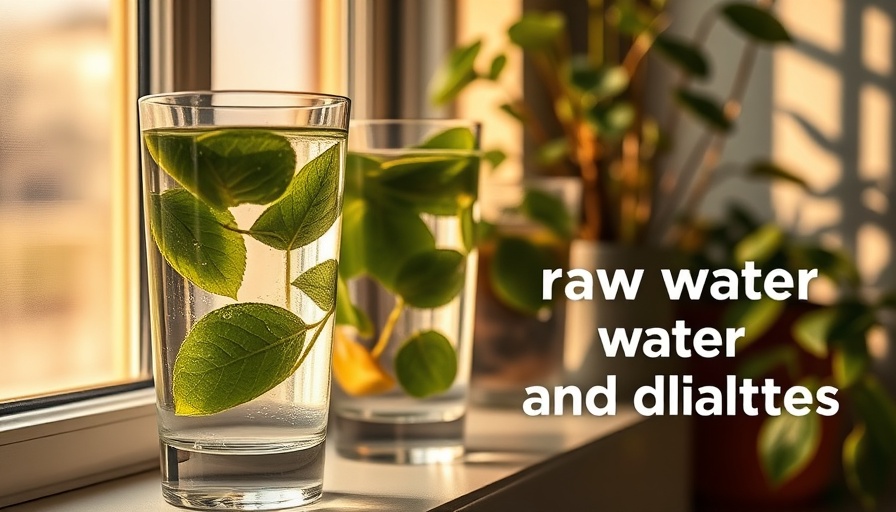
<point x="386" y="333"/>
<point x="596" y="32"/>
<point x="287" y="285"/>
<point x="321" y="324"/>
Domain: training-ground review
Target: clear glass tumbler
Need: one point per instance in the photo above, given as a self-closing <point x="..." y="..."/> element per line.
<point x="402" y="352"/>
<point x="242" y="201"/>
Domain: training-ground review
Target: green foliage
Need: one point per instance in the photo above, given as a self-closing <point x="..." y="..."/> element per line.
<point x="193" y="240"/>
<point x="756" y="22"/>
<point x="319" y="284"/>
<point x="688" y="57"/>
<point x="233" y="355"/>
<point x="537" y="31"/>
<point x="456" y="73"/>
<point x="787" y="444"/>
<point x="760" y="245"/>
<point x="516" y="274"/>
<point x="755" y="316"/>
<point x="426" y="364"/>
<point x="431" y="279"/>
<point x="771" y="170"/>
<point x="222" y="167"/>
<point x="706" y="108"/>
<point x="549" y="211"/>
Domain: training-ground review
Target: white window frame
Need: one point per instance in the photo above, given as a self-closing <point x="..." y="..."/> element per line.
<point x="57" y="444"/>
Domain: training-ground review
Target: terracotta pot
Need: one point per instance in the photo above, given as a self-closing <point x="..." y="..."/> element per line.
<point x="727" y="473"/>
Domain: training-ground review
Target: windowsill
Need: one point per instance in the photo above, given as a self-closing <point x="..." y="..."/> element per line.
<point x="624" y="462"/>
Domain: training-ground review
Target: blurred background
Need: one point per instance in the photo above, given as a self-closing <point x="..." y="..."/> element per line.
<point x="820" y="107"/>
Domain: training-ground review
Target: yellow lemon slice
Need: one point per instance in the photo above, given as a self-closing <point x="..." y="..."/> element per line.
<point x="356" y="371"/>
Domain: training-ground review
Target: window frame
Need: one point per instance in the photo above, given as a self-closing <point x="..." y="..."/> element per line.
<point x="61" y="442"/>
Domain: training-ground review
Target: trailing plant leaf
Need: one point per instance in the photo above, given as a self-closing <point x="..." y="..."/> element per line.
<point x="455" y="74"/>
<point x="688" y="57"/>
<point x="309" y="208"/>
<point x="192" y="239"/>
<point x="767" y="169"/>
<point x="602" y="82"/>
<point x="347" y="314"/>
<point x="756" y="22"/>
<point x="431" y="279"/>
<point x="515" y="274"/>
<point x="467" y="228"/>
<point x="452" y="138"/>
<point x="760" y="245"/>
<point x="552" y="152"/>
<point x="512" y="111"/>
<point x="755" y="316"/>
<point x="226" y="167"/>
<point x="878" y="411"/>
<point x="494" y="157"/>
<point x="496" y="67"/>
<point x="548" y="210"/>
<point x="537" y="30"/>
<point x="391" y="237"/>
<point x="834" y="264"/>
<point x="426" y="364"/>
<point x="812" y="331"/>
<point x="351" y="249"/>
<point x="761" y="364"/>
<point x="787" y="444"/>
<point x="319" y="284"/>
<point x="613" y="119"/>
<point x="436" y="184"/>
<point x="358" y="166"/>
<point x="629" y="17"/>
<point x="866" y="466"/>
<point x="705" y="108"/>
<point x="850" y="363"/>
<point x="233" y="355"/>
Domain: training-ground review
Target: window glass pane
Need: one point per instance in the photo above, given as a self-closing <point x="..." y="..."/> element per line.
<point x="63" y="299"/>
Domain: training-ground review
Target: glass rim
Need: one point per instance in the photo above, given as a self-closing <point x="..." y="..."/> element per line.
<point x="168" y="99"/>
<point x="453" y="121"/>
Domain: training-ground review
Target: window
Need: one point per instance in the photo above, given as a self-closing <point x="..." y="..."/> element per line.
<point x="74" y="385"/>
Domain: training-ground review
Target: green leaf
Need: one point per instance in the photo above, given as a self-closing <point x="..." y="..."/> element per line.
<point x="351" y="250"/>
<point x="455" y="73"/>
<point x="227" y="167"/>
<point x="762" y="363"/>
<point x="705" y="108"/>
<point x="494" y="157"/>
<point x="515" y="274"/>
<point x="876" y="407"/>
<point x="867" y="467"/>
<point x="630" y="17"/>
<point x="537" y="30"/>
<point x="756" y="23"/>
<point x="837" y="265"/>
<point x="552" y="152"/>
<point x="319" y="284"/>
<point x="760" y="245"/>
<point x="309" y="208"/>
<point x="603" y="82"/>
<point x="812" y="331"/>
<point x="468" y="228"/>
<point x="496" y="67"/>
<point x="192" y="239"/>
<point x="888" y="301"/>
<point x="358" y="166"/>
<point x="390" y="237"/>
<point x="512" y="111"/>
<point x="431" y="279"/>
<point x="426" y="364"/>
<point x="349" y="314"/>
<point x="233" y="355"/>
<point x="766" y="169"/>
<point x="548" y="210"/>
<point x="849" y="362"/>
<point x="613" y="119"/>
<point x="452" y="138"/>
<point x="436" y="184"/>
<point x="683" y="54"/>
<point x="787" y="444"/>
<point x="755" y="316"/>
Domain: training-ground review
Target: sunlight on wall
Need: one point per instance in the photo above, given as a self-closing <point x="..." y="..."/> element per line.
<point x="833" y="122"/>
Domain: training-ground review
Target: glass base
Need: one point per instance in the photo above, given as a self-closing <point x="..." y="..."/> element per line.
<point x="400" y="443"/>
<point x="239" y="481"/>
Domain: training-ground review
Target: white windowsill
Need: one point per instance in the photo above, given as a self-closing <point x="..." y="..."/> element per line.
<point x="515" y="462"/>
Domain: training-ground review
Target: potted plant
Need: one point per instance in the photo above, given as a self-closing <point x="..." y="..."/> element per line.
<point x="787" y="460"/>
<point x="631" y="193"/>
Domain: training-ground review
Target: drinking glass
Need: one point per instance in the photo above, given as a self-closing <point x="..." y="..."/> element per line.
<point x="242" y="203"/>
<point x="402" y="352"/>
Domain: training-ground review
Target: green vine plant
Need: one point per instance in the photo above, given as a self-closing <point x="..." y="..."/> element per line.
<point x="238" y="352"/>
<point x="385" y="238"/>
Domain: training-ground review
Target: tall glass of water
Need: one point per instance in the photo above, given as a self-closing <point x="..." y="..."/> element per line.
<point x="242" y="204"/>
